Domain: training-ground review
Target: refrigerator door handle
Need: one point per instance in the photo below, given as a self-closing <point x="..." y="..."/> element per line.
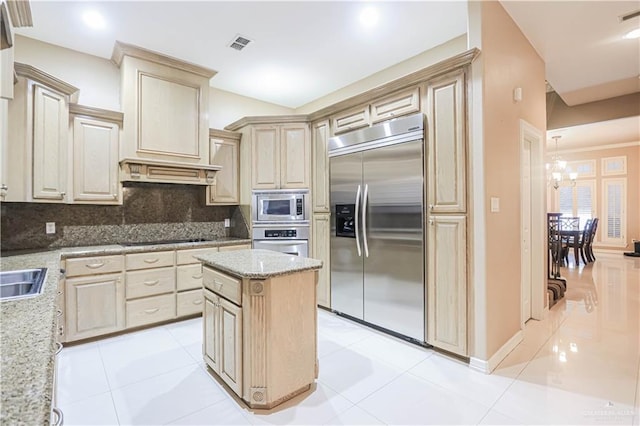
<point x="357" y="222"/>
<point x="364" y="219"/>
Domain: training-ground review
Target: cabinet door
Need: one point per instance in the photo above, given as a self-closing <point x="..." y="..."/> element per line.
<point x="95" y="160"/>
<point x="295" y="151"/>
<point x="447" y="144"/>
<point x="210" y="329"/>
<point x="350" y="120"/>
<point x="320" y="167"/>
<point x="395" y="105"/>
<point x="235" y="247"/>
<point x="447" y="284"/>
<point x="226" y="187"/>
<point x="50" y="118"/>
<point x="230" y="345"/>
<point x="265" y="156"/>
<point x="94" y="305"/>
<point x="321" y="250"/>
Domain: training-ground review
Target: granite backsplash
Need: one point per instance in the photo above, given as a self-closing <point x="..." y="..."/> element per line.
<point x="149" y="212"/>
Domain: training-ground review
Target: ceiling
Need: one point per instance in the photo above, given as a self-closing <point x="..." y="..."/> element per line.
<point x="586" y="136"/>
<point x="301" y="50"/>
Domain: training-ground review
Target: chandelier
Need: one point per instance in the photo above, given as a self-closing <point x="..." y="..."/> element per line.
<point x="557" y="170"/>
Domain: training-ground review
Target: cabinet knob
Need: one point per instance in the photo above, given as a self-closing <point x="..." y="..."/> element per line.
<point x="430" y="206"/>
<point x="115" y="196"/>
<point x="430" y="221"/>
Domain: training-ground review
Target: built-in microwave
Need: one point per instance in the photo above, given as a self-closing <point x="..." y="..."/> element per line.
<point x="281" y="205"/>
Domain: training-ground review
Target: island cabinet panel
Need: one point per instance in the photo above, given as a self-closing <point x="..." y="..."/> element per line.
<point x="94" y="305"/>
<point x="223" y="285"/>
<point x="211" y="326"/>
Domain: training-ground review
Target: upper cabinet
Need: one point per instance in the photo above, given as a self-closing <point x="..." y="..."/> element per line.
<point x="224" y="151"/>
<point x="166" y="102"/>
<point x="96" y="138"/>
<point x="37" y="158"/>
<point x="446" y="165"/>
<point x="275" y="153"/>
<point x="398" y="104"/>
<point x="351" y="120"/>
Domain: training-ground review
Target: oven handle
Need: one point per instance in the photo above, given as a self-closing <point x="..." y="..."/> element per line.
<point x="358" y="221"/>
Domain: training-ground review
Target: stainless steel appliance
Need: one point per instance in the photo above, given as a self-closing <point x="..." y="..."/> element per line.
<point x="290" y="239"/>
<point x="377" y="238"/>
<point x="283" y="205"/>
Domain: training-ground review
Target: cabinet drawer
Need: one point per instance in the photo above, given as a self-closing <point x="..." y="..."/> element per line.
<point x="396" y="105"/>
<point x="189" y="277"/>
<point x="223" y="285"/>
<point x="150" y="310"/>
<point x="184" y="257"/>
<point x="237" y="247"/>
<point x="189" y="302"/>
<point x="155" y="259"/>
<point x="149" y="282"/>
<point x="350" y="120"/>
<point x="94" y="265"/>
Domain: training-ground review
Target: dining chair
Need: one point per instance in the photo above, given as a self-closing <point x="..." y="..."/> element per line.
<point x="578" y="244"/>
<point x="592" y="236"/>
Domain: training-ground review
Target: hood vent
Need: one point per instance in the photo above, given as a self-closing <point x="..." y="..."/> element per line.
<point x="239" y="42"/>
<point x="143" y="170"/>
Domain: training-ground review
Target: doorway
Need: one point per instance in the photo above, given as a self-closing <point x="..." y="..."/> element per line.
<point x="532" y="224"/>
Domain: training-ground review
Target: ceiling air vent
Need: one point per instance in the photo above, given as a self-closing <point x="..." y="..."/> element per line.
<point x="629" y="15"/>
<point x="239" y="42"/>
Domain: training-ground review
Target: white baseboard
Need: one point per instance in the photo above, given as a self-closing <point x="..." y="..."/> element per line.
<point x="488" y="366"/>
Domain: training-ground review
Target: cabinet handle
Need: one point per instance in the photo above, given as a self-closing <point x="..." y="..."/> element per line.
<point x="59" y="417"/>
<point x="218" y="283"/>
<point x="151" y="260"/>
<point x="115" y="196"/>
<point x="58" y="313"/>
<point x="197" y="302"/>
<point x="61" y="330"/>
<point x="151" y="311"/>
<point x="196" y="277"/>
<point x="150" y="283"/>
<point x="4" y="187"/>
<point x="58" y="347"/>
<point x="94" y="265"/>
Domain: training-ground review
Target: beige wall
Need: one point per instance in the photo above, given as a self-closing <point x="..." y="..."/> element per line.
<point x="226" y="107"/>
<point x="507" y="61"/>
<point x="633" y="189"/>
<point x="416" y="63"/>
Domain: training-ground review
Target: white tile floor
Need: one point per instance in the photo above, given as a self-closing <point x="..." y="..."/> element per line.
<point x="579" y="366"/>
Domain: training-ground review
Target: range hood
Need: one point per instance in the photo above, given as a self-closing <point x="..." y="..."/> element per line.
<point x="159" y="171"/>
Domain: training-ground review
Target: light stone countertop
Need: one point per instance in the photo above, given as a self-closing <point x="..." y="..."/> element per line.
<point x="258" y="263"/>
<point x="27" y="340"/>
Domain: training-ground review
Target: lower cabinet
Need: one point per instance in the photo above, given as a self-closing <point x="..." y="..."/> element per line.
<point x="149" y="310"/>
<point x="321" y="250"/>
<point x="189" y="302"/>
<point x="447" y="283"/>
<point x="94" y="305"/>
<point x="223" y="339"/>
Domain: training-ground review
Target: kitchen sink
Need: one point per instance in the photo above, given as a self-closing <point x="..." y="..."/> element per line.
<point x="21" y="284"/>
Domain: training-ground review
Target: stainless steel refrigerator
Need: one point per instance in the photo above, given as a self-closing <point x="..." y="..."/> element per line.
<point x="377" y="238"/>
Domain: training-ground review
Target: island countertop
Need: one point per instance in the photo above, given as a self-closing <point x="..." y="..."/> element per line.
<point x="259" y="263"/>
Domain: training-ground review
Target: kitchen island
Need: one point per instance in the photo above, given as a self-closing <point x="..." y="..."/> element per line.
<point x="260" y="323"/>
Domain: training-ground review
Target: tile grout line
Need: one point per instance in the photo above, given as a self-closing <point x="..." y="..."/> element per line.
<point x="104" y="368"/>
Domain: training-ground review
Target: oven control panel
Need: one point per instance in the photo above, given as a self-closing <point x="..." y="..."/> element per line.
<point x="280" y="233"/>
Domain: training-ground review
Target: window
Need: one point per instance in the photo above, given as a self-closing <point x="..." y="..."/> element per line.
<point x="584" y="168"/>
<point x="578" y="200"/>
<point x="614" y="166"/>
<point x="614" y="219"/>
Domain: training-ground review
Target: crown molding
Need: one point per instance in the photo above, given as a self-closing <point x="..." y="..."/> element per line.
<point x="268" y="119"/>
<point x="599" y="147"/>
<point x="35" y="74"/>
<point x="217" y="133"/>
<point x="458" y="61"/>
<point x="120" y="50"/>
<point x="20" y="12"/>
<point x="93" y="112"/>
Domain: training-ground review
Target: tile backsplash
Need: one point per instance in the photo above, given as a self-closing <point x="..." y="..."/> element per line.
<point x="149" y="212"/>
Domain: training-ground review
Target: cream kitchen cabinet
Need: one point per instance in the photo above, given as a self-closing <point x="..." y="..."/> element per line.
<point x="321" y="250"/>
<point x="351" y="120"/>
<point x="96" y="141"/>
<point x="280" y="156"/>
<point x="223" y="339"/>
<point x="446" y="163"/>
<point x="320" y="166"/>
<point x="396" y="105"/>
<point x="235" y="247"/>
<point x="94" y="295"/>
<point x="447" y="283"/>
<point x="224" y="148"/>
<point x="37" y="157"/>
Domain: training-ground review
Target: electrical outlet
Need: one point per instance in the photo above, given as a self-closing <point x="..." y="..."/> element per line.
<point x="227" y="223"/>
<point x="51" y="228"/>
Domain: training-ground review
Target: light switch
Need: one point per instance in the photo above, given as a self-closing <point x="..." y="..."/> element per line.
<point x="50" y="228"/>
<point x="495" y="204"/>
<point x="227" y="223"/>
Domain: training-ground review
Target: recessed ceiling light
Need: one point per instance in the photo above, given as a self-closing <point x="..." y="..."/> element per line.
<point x="369" y="17"/>
<point x="94" y="20"/>
<point x="633" y="34"/>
